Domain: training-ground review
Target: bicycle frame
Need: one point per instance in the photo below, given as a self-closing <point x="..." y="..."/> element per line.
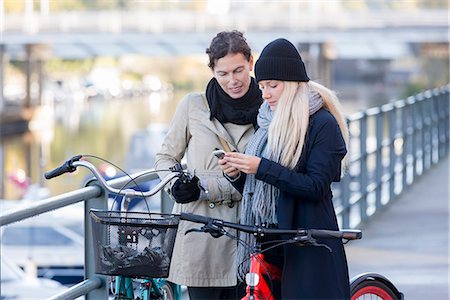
<point x="260" y="289"/>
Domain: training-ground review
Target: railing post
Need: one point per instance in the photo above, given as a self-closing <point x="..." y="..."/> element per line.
<point x="414" y="146"/>
<point x="379" y="159"/>
<point x="392" y="155"/>
<point x="363" y="167"/>
<point x="444" y="118"/>
<point x="428" y="141"/>
<point x="402" y="108"/>
<point x="345" y="196"/>
<point x="101" y="203"/>
<point x="166" y="202"/>
<point x="420" y="108"/>
<point x="435" y="126"/>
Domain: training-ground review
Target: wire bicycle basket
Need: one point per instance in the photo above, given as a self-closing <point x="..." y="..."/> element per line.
<point x="133" y="244"/>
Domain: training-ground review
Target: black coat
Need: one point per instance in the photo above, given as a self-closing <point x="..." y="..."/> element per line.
<point x="306" y="202"/>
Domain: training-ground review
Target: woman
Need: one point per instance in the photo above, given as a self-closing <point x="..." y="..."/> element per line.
<point x="290" y="163"/>
<point x="224" y="119"/>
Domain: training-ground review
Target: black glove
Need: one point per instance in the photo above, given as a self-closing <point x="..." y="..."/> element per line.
<point x="185" y="192"/>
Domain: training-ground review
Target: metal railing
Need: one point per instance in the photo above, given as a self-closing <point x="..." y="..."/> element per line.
<point x="390" y="147"/>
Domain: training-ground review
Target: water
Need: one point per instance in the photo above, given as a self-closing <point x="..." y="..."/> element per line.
<point x="98" y="127"/>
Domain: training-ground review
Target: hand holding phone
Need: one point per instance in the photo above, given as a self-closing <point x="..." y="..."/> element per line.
<point x="219" y="153"/>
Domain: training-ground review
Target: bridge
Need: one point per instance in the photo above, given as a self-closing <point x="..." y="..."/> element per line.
<point x="396" y="190"/>
<point x="324" y="34"/>
<point x="77" y="35"/>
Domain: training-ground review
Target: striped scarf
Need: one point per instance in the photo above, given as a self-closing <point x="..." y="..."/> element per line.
<point x="259" y="199"/>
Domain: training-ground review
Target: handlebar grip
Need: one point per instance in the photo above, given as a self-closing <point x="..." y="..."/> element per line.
<point x="351" y="234"/>
<point x="348" y="234"/>
<point x="64" y="168"/>
<point x="194" y="218"/>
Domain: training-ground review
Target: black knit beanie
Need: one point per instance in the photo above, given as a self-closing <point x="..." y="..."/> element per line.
<point x="280" y="60"/>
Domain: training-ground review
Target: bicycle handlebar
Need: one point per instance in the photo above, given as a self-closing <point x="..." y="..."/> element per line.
<point x="348" y="234"/>
<point x="67" y="167"/>
<point x="71" y="165"/>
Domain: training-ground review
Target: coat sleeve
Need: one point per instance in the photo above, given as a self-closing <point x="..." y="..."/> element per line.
<point x="177" y="138"/>
<point x="322" y="165"/>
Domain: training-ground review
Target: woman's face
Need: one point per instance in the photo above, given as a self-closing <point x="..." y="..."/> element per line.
<point x="271" y="91"/>
<point x="233" y="74"/>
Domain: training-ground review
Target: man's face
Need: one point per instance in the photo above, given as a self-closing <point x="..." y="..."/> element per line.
<point x="233" y="74"/>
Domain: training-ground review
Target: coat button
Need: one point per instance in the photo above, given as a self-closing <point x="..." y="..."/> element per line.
<point x="212" y="205"/>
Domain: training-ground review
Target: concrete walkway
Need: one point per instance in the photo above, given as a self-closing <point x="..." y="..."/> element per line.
<point x="409" y="241"/>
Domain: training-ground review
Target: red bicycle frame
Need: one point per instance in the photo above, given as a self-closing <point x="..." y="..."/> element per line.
<point x="261" y="290"/>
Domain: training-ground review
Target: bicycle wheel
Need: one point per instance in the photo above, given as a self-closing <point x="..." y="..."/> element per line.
<point x="373" y="290"/>
<point x="161" y="290"/>
<point x="167" y="291"/>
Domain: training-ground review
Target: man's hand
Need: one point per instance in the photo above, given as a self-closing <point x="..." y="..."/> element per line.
<point x="185" y="192"/>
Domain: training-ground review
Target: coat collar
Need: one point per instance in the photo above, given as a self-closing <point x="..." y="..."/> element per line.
<point x="215" y="126"/>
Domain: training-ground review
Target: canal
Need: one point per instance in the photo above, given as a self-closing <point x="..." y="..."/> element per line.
<point x="114" y="129"/>
<point x="96" y="126"/>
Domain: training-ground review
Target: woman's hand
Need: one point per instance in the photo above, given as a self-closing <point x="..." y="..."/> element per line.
<point x="229" y="170"/>
<point x="242" y="162"/>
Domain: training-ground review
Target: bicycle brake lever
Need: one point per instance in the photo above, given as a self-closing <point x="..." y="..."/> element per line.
<point x="316" y="244"/>
<point x="308" y="240"/>
<point x="194" y="230"/>
<point x="215" y="233"/>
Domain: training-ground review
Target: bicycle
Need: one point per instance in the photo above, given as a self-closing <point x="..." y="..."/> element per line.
<point x="258" y="280"/>
<point x="124" y="284"/>
<point x="363" y="286"/>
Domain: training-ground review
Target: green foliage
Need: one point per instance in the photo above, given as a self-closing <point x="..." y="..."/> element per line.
<point x="413" y="88"/>
<point x="74" y="67"/>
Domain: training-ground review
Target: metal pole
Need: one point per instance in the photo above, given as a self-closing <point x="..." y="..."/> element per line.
<point x="2" y="79"/>
<point x="2" y="171"/>
<point x="166" y="202"/>
<point x="414" y="127"/>
<point x="410" y="126"/>
<point x="403" y="109"/>
<point x="79" y="289"/>
<point x="100" y="202"/>
<point x="345" y="196"/>
<point x="444" y="109"/>
<point x="435" y="126"/>
<point x="379" y="158"/>
<point x="363" y="167"/>
<point x="422" y="131"/>
<point x="427" y="130"/>
<point x="35" y="208"/>
<point x="28" y="70"/>
<point x="392" y="155"/>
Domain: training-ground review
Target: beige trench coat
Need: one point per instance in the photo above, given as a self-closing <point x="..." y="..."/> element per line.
<point x="199" y="259"/>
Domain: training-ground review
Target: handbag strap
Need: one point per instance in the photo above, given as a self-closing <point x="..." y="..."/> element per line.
<point x="224" y="143"/>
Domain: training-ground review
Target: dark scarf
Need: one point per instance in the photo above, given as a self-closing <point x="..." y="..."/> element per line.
<point x="237" y="111"/>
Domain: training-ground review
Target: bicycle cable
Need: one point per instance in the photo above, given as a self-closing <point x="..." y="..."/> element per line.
<point x="131" y="179"/>
<point x="252" y="249"/>
<point x="123" y="171"/>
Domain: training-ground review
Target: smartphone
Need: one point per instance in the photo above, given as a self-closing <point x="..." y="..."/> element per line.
<point x="219" y="153"/>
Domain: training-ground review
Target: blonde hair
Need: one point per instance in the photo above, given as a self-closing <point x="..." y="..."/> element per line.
<point x="287" y="131"/>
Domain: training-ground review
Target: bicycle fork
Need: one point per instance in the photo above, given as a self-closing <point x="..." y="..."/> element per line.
<point x="257" y="287"/>
<point x="124" y="288"/>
